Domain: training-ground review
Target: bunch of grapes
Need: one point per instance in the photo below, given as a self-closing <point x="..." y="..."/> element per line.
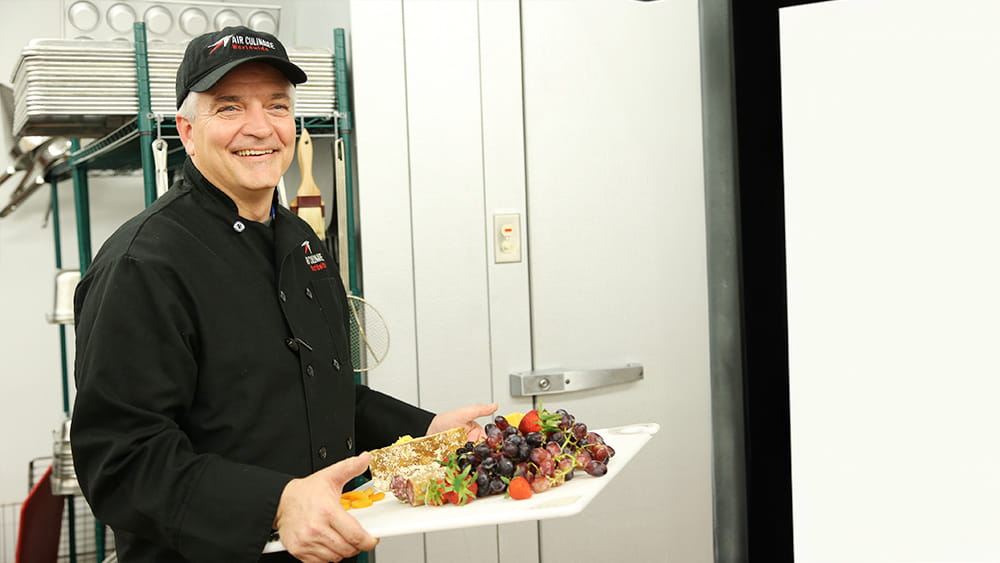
<point x="546" y="450"/>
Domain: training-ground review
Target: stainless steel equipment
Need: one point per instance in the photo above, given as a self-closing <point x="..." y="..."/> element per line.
<point x="63" y="474"/>
<point x="62" y="306"/>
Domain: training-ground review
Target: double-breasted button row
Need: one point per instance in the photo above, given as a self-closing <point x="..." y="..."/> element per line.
<point x="350" y="444"/>
<point x="322" y="452"/>
<point x="292" y="344"/>
<point x="310" y="371"/>
<point x="283" y="297"/>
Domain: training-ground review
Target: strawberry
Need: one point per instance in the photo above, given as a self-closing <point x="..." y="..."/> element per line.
<point x="519" y="488"/>
<point x="530" y="422"/>
<point x="539" y="421"/>
<point x="458" y="487"/>
<point x="435" y="495"/>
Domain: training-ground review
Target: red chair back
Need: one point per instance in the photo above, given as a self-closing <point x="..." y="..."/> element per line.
<point x="40" y="524"/>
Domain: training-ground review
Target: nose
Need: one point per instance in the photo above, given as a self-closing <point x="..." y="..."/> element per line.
<point x="256" y="122"/>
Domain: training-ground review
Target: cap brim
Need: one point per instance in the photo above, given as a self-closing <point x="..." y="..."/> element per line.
<point x="293" y="73"/>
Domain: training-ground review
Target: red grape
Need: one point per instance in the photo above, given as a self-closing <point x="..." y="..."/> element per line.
<point x="596" y="468"/>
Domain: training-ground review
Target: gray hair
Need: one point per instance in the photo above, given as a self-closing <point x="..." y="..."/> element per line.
<point x="189" y="107"/>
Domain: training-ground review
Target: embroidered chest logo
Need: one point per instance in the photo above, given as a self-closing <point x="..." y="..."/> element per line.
<point x="314" y="260"/>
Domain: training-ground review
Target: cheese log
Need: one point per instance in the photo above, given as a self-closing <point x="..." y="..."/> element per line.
<point x="411" y="486"/>
<point x="392" y="460"/>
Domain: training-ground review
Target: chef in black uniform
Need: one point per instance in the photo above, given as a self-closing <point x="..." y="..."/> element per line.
<point x="216" y="401"/>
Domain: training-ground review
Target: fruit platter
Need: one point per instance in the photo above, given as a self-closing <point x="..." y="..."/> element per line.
<point x="509" y="476"/>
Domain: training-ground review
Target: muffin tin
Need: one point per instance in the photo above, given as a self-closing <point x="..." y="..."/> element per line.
<point x="166" y="20"/>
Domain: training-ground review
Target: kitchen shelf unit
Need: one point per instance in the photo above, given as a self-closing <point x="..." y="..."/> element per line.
<point x="128" y="148"/>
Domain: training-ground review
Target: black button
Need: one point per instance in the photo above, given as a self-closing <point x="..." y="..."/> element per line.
<point x="292" y="344"/>
<point x="336" y="364"/>
<point x="309" y="293"/>
<point x="350" y="444"/>
<point x="281" y="296"/>
<point x="310" y="371"/>
<point x="322" y="452"/>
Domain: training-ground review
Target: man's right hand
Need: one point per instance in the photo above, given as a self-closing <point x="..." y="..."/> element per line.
<point x="313" y="526"/>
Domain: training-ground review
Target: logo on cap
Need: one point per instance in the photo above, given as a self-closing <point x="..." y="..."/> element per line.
<point x="242" y="42"/>
<point x="220" y="43"/>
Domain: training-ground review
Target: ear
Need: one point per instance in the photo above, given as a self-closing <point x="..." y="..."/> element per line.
<point x="185" y="129"/>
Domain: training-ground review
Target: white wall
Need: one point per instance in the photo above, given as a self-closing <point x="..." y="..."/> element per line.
<point x="890" y="119"/>
<point x="30" y="387"/>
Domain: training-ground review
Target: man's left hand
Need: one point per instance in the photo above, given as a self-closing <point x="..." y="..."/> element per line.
<point x="465" y="417"/>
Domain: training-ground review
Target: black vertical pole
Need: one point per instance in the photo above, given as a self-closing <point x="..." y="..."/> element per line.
<point x="762" y="237"/>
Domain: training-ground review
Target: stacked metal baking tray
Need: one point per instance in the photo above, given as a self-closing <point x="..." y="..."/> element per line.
<point x="82" y="88"/>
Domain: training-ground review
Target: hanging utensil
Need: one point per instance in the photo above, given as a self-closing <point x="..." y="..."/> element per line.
<point x="23" y="151"/>
<point x="19" y="164"/>
<point x="62" y="304"/>
<point x="340" y="200"/>
<point x="282" y="195"/>
<point x="46" y="157"/>
<point x="308" y="203"/>
<point x="160" y="163"/>
<point x="369" y="331"/>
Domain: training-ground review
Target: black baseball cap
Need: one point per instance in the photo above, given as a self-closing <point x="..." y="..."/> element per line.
<point x="210" y="56"/>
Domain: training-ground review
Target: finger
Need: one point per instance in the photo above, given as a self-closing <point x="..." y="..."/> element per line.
<point x="352" y="533"/>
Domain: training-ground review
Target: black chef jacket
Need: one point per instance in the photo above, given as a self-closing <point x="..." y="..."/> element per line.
<point x="213" y="365"/>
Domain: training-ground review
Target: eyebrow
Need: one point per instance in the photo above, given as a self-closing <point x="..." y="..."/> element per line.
<point x="274" y="96"/>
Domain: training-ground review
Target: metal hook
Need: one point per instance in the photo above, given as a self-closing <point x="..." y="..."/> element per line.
<point x="159" y="121"/>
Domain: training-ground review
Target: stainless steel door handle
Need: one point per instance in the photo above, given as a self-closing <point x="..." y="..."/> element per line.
<point x="547" y="382"/>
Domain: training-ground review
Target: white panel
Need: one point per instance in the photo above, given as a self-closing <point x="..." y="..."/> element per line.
<point x="890" y="117"/>
<point x="378" y="71"/>
<point x="503" y="172"/>
<point x="449" y="243"/>
<point x="618" y="258"/>
<point x="383" y="172"/>
<point x="446" y="194"/>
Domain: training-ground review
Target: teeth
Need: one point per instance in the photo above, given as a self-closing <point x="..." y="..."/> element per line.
<point x="253" y="152"/>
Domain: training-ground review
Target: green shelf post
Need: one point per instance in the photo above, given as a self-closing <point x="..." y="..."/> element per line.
<point x="343" y="107"/>
<point x="81" y="198"/>
<point x="57" y="235"/>
<point x="145" y="117"/>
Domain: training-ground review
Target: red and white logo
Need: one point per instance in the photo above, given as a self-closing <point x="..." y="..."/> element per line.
<point x="314" y="260"/>
<point x="224" y="42"/>
<point x="242" y="42"/>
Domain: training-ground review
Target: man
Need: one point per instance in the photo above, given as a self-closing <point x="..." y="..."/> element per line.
<point x="215" y="395"/>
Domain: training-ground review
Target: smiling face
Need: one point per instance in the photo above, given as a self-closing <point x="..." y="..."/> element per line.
<point x="242" y="137"/>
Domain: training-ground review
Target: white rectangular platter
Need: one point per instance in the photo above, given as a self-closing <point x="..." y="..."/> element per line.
<point x="390" y="517"/>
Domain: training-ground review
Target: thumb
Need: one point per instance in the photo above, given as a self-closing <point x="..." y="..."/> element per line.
<point x="485" y="410"/>
<point x="346" y="469"/>
<point x="469" y="413"/>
